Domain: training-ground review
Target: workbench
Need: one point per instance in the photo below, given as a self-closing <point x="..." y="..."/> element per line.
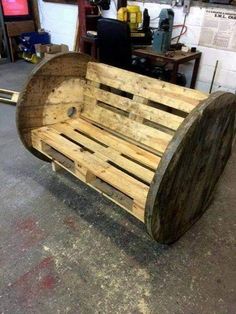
<point x="176" y="58"/>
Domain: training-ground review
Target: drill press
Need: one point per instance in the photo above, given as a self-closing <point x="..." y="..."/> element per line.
<point x="162" y="37"/>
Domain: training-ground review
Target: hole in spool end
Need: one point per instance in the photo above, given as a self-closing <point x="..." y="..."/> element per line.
<point x="71" y="112"/>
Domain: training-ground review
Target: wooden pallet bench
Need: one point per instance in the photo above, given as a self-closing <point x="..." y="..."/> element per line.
<point x="154" y="148"/>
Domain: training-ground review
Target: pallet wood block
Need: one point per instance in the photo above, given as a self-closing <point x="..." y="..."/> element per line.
<point x="114" y="130"/>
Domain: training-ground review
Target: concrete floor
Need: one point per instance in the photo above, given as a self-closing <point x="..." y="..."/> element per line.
<point x="66" y="249"/>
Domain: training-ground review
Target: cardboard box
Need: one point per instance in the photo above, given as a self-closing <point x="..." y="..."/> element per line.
<point x="46" y="50"/>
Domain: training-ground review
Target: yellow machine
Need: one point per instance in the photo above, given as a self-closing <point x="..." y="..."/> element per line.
<point x="131" y="14"/>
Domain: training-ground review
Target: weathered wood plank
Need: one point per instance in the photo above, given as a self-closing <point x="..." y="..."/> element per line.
<point x="146" y="135"/>
<point x="106" y="153"/>
<point x="134" y="107"/>
<point x="171" y="95"/>
<point x="136" y="153"/>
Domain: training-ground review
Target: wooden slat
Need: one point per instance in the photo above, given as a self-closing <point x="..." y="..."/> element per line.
<point x="121" y="181"/>
<point x="171" y="95"/>
<point x="105" y="153"/>
<point x="142" y="156"/>
<point x="146" y="135"/>
<point x="132" y="106"/>
<point x="13" y="96"/>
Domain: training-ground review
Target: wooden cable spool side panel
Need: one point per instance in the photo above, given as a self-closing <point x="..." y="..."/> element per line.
<point x="54" y="87"/>
<point x="190" y="168"/>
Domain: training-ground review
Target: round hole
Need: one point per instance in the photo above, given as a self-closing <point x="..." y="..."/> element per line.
<point x="71" y="112"/>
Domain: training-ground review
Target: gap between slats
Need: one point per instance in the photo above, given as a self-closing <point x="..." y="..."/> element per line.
<point x="132" y="151"/>
<point x="105" y="153"/>
<point x="132" y="106"/>
<point x="143" y="134"/>
<point x="171" y="95"/>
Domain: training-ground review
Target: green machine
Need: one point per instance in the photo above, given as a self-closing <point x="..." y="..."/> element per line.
<point x="162" y="37"/>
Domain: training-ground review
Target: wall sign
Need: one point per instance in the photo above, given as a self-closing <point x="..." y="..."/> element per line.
<point x="15" y="7"/>
<point x="219" y="29"/>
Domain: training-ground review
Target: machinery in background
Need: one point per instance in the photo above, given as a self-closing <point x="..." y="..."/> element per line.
<point x="163" y="74"/>
<point x="162" y="44"/>
<point x="162" y="36"/>
<point x="131" y="14"/>
<point x="140" y="35"/>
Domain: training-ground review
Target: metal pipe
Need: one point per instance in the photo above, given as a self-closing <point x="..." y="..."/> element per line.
<point x="213" y="77"/>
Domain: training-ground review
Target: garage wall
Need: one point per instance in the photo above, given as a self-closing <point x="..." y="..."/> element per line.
<point x="60" y="20"/>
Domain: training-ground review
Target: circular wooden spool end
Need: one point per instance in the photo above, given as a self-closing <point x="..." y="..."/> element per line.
<point x="183" y="185"/>
<point x="53" y="92"/>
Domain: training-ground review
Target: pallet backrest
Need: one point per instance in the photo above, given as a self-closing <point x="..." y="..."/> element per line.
<point x="135" y="106"/>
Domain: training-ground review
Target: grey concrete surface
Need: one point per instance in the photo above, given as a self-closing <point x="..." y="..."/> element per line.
<point x="66" y="249"/>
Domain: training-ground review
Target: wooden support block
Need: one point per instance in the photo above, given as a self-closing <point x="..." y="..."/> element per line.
<point x="140" y="100"/>
<point x="84" y="174"/>
<point x="55" y="166"/>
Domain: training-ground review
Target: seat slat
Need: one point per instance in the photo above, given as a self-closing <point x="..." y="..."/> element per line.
<point x="164" y="118"/>
<point x="181" y="98"/>
<point x="105" y="153"/>
<point x="136" y="153"/>
<point x="121" y="181"/>
<point x="146" y="135"/>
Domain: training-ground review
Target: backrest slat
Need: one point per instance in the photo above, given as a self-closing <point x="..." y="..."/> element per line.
<point x="137" y="110"/>
<point x="140" y="133"/>
<point x="171" y="95"/>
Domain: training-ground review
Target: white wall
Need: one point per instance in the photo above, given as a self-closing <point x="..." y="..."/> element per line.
<point x="60" y="20"/>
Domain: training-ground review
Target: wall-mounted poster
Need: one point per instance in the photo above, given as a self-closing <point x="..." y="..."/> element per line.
<point x="15" y="7"/>
<point x="219" y="29"/>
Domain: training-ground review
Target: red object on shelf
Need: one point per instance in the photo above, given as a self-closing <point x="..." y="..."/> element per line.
<point x="15" y="7"/>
